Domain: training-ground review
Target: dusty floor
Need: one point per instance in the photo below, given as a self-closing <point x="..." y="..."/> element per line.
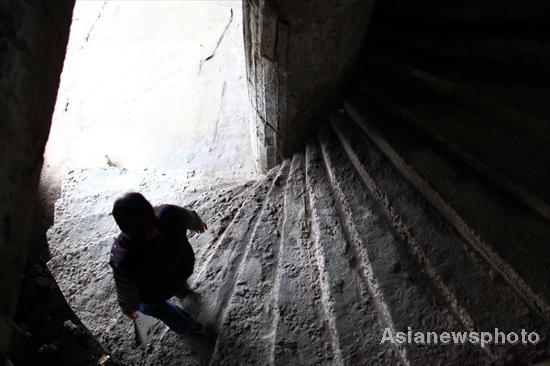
<point x="86" y="230"/>
<point x="307" y="265"/>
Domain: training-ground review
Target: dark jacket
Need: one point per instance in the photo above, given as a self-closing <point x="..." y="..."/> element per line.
<point x="153" y="271"/>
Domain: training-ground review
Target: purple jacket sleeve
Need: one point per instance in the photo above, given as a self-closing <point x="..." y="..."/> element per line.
<point x="190" y="217"/>
<point x="126" y="290"/>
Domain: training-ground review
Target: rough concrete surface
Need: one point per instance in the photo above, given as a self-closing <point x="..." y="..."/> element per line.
<point x="80" y="244"/>
<point x="307" y="265"/>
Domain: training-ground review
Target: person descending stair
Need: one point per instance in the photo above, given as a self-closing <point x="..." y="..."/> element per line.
<point x="152" y="259"/>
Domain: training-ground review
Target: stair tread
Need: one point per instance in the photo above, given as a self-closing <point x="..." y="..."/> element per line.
<point x="302" y="333"/>
<point x="405" y="294"/>
<point x="311" y="263"/>
<point x="467" y="130"/>
<point x="217" y="263"/>
<point x="80" y="242"/>
<point x="245" y="333"/>
<point x="479" y="212"/>
<point x="351" y="305"/>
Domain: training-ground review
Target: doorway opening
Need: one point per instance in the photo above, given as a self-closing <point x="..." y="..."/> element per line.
<point x="153" y="84"/>
<point x="153" y="98"/>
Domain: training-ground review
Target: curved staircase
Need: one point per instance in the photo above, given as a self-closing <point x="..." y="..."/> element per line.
<point x="371" y="226"/>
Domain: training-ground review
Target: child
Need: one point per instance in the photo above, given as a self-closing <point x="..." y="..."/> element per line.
<point x="152" y="259"/>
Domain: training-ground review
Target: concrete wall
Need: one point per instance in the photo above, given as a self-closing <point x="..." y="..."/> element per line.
<point x="298" y="55"/>
<point x="33" y="38"/>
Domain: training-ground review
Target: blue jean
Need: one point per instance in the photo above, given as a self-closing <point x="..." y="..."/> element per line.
<point x="172" y="315"/>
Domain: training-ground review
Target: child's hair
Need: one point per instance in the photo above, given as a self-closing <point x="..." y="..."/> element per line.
<point x="134" y="215"/>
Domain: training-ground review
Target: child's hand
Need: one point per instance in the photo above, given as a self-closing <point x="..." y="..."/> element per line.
<point x="202" y="228"/>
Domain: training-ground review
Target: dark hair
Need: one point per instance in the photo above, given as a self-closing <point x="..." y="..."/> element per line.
<point x="134" y="215"/>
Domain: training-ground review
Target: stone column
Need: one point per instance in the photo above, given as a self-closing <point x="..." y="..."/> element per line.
<point x="298" y="55"/>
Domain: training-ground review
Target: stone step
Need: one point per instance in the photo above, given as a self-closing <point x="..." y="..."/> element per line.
<point x="217" y="209"/>
<point x="404" y="293"/>
<point x="302" y="330"/>
<point x="245" y="335"/>
<point x="217" y="264"/>
<point x="80" y="243"/>
<point x="353" y="316"/>
<point x="469" y="284"/>
<point x="363" y="231"/>
<point x="75" y="225"/>
<point x="480" y="213"/>
<point x="472" y="135"/>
